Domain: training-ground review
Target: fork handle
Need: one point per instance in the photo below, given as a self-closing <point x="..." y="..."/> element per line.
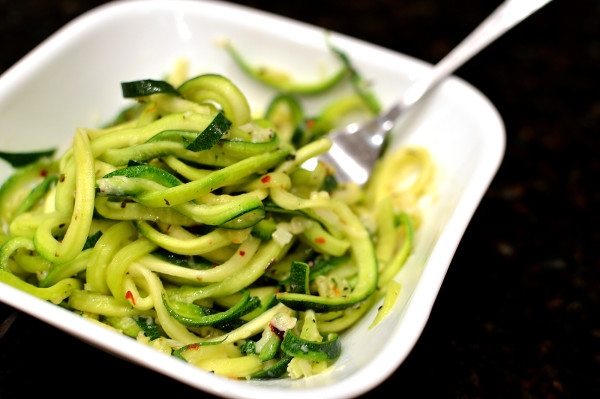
<point x="503" y="18"/>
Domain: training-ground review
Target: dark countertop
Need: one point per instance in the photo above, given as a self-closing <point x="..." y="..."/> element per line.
<point x="518" y="313"/>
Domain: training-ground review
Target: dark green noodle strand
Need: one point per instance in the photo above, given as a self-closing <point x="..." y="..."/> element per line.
<point x="281" y="82"/>
<point x="146" y="87"/>
<point x="195" y="316"/>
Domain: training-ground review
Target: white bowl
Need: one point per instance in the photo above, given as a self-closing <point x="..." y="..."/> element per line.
<point x="73" y="79"/>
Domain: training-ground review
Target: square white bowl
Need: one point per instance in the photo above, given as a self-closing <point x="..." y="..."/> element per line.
<point x="73" y="79"/>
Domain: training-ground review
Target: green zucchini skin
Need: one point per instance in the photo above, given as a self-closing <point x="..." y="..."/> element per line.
<point x="271" y="347"/>
<point x="360" y="85"/>
<point x="36" y="194"/>
<point x="148" y="326"/>
<point x="304" y="302"/>
<point x="240" y="213"/>
<point x="218" y="88"/>
<point x="24" y="176"/>
<point x="286" y="113"/>
<point x="183" y="143"/>
<point x="282" y="85"/>
<point x="146" y="87"/>
<point x="264" y="228"/>
<point x="299" y="278"/>
<point x="248" y="218"/>
<point x="21" y="159"/>
<point x="146" y="172"/>
<point x="178" y="353"/>
<point x="295" y="346"/>
<point x="275" y="371"/>
<point x="195" y="316"/>
<point x="217" y="179"/>
<point x="178" y="143"/>
<point x="211" y="135"/>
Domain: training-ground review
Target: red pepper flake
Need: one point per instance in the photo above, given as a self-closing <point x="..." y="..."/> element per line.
<point x="277" y="331"/>
<point x="320" y="240"/>
<point x="336" y="290"/>
<point x="193" y="346"/>
<point x="215" y="264"/>
<point x="310" y="123"/>
<point x="150" y="109"/>
<point x="266" y="179"/>
<point x="242" y="253"/>
<point x="129" y="295"/>
<point x="43" y="173"/>
<point x="276" y="291"/>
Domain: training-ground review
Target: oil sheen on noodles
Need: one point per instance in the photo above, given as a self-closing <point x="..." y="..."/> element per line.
<point x="190" y="225"/>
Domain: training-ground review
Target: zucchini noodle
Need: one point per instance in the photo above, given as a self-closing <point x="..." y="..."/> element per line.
<point x="193" y="227"/>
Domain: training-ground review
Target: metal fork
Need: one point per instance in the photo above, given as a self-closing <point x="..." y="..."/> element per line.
<point x="357" y="147"/>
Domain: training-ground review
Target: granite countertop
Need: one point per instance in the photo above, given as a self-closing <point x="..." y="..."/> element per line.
<point x="518" y="312"/>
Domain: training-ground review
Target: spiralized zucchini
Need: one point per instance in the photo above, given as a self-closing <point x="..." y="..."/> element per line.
<point x="193" y="227"/>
